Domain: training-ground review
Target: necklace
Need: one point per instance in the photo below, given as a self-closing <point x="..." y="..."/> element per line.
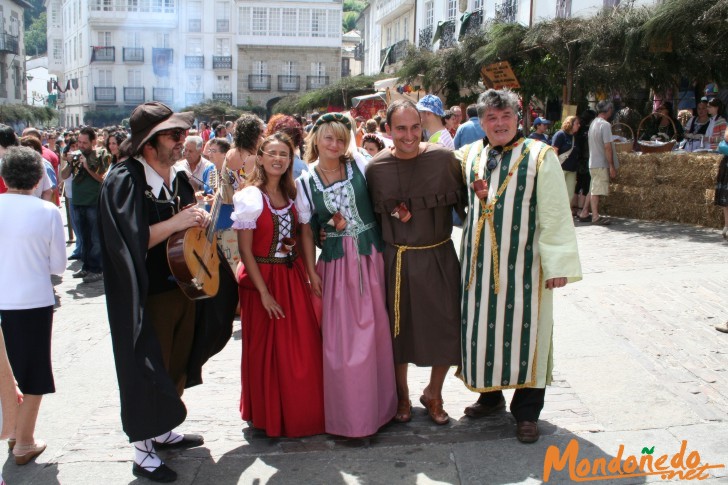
<point x="329" y="170"/>
<point x="17" y="191"/>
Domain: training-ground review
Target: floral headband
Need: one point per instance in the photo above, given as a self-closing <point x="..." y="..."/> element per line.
<point x="331" y="118"/>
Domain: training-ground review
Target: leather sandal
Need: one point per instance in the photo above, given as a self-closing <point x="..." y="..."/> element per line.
<point x="24" y="453"/>
<point x="11" y="444"/>
<point x="435" y="410"/>
<point x="404" y="411"/>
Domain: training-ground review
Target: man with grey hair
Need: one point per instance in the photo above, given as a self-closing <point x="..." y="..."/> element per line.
<point x="518" y="245"/>
<point x="601" y="163"/>
<point x="196" y="166"/>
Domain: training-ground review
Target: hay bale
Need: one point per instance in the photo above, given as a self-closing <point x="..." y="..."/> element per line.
<point x="676" y="187"/>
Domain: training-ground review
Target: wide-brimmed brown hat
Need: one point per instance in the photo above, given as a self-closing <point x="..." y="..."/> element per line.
<point x="150" y="118"/>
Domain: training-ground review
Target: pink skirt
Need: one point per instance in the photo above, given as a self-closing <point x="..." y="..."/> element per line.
<point x="360" y="394"/>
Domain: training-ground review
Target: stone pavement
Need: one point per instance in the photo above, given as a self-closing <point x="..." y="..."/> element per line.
<point x="637" y="361"/>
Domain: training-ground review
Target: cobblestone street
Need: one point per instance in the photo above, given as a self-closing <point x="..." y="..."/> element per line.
<point x="637" y="363"/>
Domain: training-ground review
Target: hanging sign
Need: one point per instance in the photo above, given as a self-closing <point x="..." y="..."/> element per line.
<point x="499" y="76"/>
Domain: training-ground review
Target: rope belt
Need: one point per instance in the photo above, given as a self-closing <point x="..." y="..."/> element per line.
<point x="487" y="212"/>
<point x="398" y="279"/>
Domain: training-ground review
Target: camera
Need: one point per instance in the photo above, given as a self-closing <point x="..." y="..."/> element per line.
<point x="76" y="159"/>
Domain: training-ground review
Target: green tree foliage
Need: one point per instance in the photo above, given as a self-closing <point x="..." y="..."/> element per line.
<point x="36" y="41"/>
<point x="351" y="9"/>
<point x="39" y="115"/>
<point x="106" y="116"/>
<point x="337" y="94"/>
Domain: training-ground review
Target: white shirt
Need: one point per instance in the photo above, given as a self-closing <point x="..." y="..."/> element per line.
<point x="32" y="247"/>
<point x="196" y="175"/>
<point x="155" y="181"/>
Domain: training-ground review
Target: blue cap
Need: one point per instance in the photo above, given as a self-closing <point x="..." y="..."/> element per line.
<point x="432" y="104"/>
<point x="541" y="121"/>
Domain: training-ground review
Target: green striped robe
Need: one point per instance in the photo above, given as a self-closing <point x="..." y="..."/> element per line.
<point x="506" y="337"/>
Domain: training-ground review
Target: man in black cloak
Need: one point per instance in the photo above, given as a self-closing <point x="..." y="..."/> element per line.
<point x="160" y="338"/>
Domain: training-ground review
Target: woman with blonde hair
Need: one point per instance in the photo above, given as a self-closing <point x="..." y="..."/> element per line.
<point x="564" y="145"/>
<point x="359" y="388"/>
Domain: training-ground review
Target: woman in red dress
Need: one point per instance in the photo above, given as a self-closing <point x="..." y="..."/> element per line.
<point x="282" y="369"/>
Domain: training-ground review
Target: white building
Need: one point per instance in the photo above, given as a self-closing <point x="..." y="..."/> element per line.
<point x="390" y="26"/>
<point x="116" y="54"/>
<point x="12" y="51"/>
<point x="36" y="73"/>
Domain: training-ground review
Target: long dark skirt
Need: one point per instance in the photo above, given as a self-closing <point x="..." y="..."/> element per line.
<point x="721" y="184"/>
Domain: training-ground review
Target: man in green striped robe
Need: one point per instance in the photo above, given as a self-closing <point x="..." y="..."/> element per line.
<point x="518" y="245"/>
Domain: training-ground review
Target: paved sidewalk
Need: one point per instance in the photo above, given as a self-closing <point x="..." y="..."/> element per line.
<point x="637" y="361"/>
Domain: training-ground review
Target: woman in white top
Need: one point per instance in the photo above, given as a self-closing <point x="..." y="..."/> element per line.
<point x="33" y="247"/>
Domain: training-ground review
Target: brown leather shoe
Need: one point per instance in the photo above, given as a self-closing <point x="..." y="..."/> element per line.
<point x="23" y="454"/>
<point x="435" y="410"/>
<point x="479" y="410"/>
<point x="404" y="411"/>
<point x="527" y="432"/>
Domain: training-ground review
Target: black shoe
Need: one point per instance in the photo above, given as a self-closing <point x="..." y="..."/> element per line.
<point x="74" y="256"/>
<point x="80" y="274"/>
<point x="480" y="410"/>
<point x="527" y="432"/>
<point x="187" y="441"/>
<point x="162" y="473"/>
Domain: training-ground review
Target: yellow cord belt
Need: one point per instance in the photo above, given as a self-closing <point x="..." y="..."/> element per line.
<point x="487" y="211"/>
<point x="398" y="278"/>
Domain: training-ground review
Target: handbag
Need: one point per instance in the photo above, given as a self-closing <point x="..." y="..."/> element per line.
<point x="723" y="148"/>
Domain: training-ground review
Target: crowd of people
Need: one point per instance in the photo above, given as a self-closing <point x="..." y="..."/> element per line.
<point x="326" y="342"/>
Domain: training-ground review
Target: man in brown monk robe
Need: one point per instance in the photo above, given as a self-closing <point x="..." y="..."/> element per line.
<point x="414" y="187"/>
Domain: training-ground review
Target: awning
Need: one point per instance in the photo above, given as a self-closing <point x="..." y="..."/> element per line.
<point x="464" y="21"/>
<point x="355" y="101"/>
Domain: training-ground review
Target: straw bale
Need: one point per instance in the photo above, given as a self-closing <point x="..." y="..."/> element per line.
<point x="666" y="187"/>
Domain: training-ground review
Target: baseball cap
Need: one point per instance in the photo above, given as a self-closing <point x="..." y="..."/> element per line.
<point x="541" y="121"/>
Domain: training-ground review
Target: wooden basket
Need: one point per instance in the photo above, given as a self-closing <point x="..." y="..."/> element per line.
<point x="624" y="146"/>
<point x="646" y="147"/>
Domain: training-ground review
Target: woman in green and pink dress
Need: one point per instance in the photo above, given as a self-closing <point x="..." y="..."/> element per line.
<point x="359" y="388"/>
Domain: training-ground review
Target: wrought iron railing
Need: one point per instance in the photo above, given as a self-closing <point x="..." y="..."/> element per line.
<point x="506" y="11"/>
<point x="223" y="25"/>
<point x="194" y="98"/>
<point x="9" y="43"/>
<point x="447" y="36"/>
<point x="259" y="82"/>
<point x="105" y="94"/>
<point x="222" y="62"/>
<point x="165" y="95"/>
<point x="226" y="97"/>
<point x="194" y="62"/>
<point x="288" y="83"/>
<point x="134" y="95"/>
<point x="315" y="82"/>
<point x="133" y="54"/>
<point x="426" y="38"/>
<point x="105" y="54"/>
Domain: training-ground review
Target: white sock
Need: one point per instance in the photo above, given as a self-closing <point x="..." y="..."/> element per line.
<point x="169" y="437"/>
<point x="145" y="456"/>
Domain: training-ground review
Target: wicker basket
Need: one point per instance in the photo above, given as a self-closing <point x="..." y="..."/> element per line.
<point x="624" y="146"/>
<point x="649" y="147"/>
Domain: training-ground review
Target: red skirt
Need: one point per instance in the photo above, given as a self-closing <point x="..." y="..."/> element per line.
<point x="282" y="363"/>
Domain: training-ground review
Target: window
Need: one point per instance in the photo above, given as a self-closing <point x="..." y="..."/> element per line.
<point x="194" y="16"/>
<point x="222" y="84"/>
<point x="396" y="31"/>
<point x="260" y="68"/>
<point x="222" y="12"/>
<point x="304" y="20"/>
<point x="452" y="9"/>
<point x="274" y="21"/>
<point x="405" y="34"/>
<point x="389" y="35"/>
<point x="194" y="46"/>
<point x="105" y="79"/>
<point x="107" y="5"/>
<point x="80" y="46"/>
<point x="429" y="14"/>
<point x="334" y="29"/>
<point x="135" y="78"/>
<point x="194" y="83"/>
<point x="105" y="39"/>
<point x="289" y="22"/>
<point x="318" y="23"/>
<point x="133" y="39"/>
<point x="57" y="50"/>
<point x="55" y="17"/>
<point x="132" y="5"/>
<point x="14" y="24"/>
<point x="260" y="21"/>
<point x="318" y="69"/>
<point x="244" y="20"/>
<point x="163" y="41"/>
<point x="478" y="4"/>
<point x="222" y="47"/>
<point x="289" y="68"/>
<point x="74" y="48"/>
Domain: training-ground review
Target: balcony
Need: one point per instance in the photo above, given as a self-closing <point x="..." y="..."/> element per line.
<point x="133" y="54"/>
<point x="259" y="82"/>
<point x="104" y="54"/>
<point x="447" y="34"/>
<point x="426" y="38"/>
<point x="289" y="84"/>
<point x="222" y="25"/>
<point x="316" y="82"/>
<point x="194" y="62"/>
<point x="194" y="98"/>
<point x="164" y="95"/>
<point x="474" y="24"/>
<point x="222" y="62"/>
<point x="392" y="8"/>
<point x="345" y="72"/>
<point x="134" y="95"/>
<point x="226" y="97"/>
<point x="506" y="11"/>
<point x="194" y="25"/>
<point x="105" y="95"/>
<point x="359" y="52"/>
<point x="9" y="44"/>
